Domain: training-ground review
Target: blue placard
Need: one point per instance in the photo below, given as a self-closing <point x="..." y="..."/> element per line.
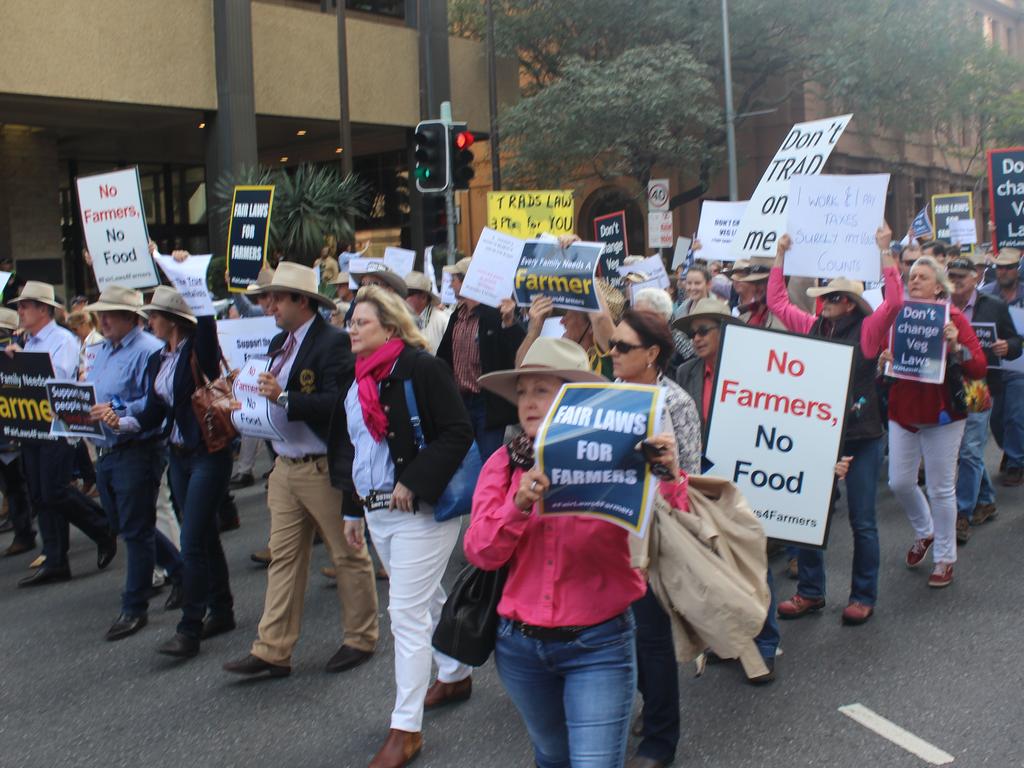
<point x="587" y="446"/>
<point x="921" y="226"/>
<point x="918" y="347"/>
<point x="567" y="276"/>
<point x="610" y="229"/>
<point x="1006" y="196"/>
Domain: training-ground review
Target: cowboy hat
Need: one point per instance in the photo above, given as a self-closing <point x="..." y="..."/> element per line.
<point x="460" y="267"/>
<point x="290" y="277"/>
<point x="962" y="264"/>
<point x="613" y="299"/>
<point x="166" y="299"/>
<point x="417" y="281"/>
<point x="560" y="358"/>
<point x="738" y="266"/>
<point x="263" y="280"/>
<point x="1008" y="257"/>
<point x="852" y="289"/>
<point x="757" y="269"/>
<point x="343" y="278"/>
<point x="38" y="292"/>
<point x="381" y="271"/>
<point x="8" y="319"/>
<point x="117" y="298"/>
<point x="705" y="309"/>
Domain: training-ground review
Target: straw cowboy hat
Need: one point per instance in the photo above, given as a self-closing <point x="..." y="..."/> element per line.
<point x="417" y="281"/>
<point x="705" y="309"/>
<point x="561" y="358"/>
<point x="380" y="271"/>
<point x="117" y="298"/>
<point x="343" y="278"/>
<point x="290" y="277"/>
<point x="1008" y="257"/>
<point x="8" y="319"/>
<point x="166" y="299"/>
<point x="757" y="269"/>
<point x="263" y="280"/>
<point x="852" y="289"/>
<point x="39" y="292"/>
<point x="460" y="267"/>
<point x="739" y="268"/>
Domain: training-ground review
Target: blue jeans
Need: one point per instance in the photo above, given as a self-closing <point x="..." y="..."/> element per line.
<point x="768" y="638"/>
<point x="575" y="697"/>
<point x="128" y="480"/>
<point x="861" y="488"/>
<point x="488" y="439"/>
<point x="973" y="486"/>
<point x="1008" y="419"/>
<point x="199" y="483"/>
<point x="657" y="679"/>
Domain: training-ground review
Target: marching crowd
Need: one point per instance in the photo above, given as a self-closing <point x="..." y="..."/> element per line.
<point x="379" y="398"/>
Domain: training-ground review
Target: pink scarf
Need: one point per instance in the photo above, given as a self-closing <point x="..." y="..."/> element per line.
<point x="370" y="371"/>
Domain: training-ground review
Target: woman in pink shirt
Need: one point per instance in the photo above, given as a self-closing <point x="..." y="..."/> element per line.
<point x="565" y="648"/>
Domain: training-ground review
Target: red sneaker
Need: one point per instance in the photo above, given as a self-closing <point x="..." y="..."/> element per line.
<point x="857" y="613"/>
<point x="798" y="606"/>
<point x="917" y="552"/>
<point x="942" y="576"/>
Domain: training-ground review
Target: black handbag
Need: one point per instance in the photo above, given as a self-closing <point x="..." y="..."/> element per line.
<point x="468" y="625"/>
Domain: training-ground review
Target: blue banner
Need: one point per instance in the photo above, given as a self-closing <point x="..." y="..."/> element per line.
<point x="588" y="448"/>
<point x="918" y="347"/>
<point x="611" y="230"/>
<point x="567" y="276"/>
<point x="1006" y="196"/>
<point x="921" y="226"/>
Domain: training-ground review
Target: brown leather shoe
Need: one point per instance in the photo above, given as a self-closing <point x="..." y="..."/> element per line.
<point x="398" y="750"/>
<point x="983" y="513"/>
<point x="442" y="694"/>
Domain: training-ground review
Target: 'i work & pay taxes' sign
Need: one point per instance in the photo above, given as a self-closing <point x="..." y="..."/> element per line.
<point x="114" y="224"/>
<point x="776" y="425"/>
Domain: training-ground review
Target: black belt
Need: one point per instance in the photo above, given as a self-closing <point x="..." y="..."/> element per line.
<point x="554" y="634"/>
<point x="304" y="459"/>
<point x="102" y="451"/>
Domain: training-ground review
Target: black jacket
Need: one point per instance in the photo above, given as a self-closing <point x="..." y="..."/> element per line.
<point x="690" y="376"/>
<point x="156" y="412"/>
<point x="498" y="347"/>
<point x="992" y="309"/>
<point x="447" y="430"/>
<point x="323" y="362"/>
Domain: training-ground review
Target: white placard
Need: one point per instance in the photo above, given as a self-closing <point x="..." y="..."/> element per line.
<point x="682" y="250"/>
<point x="776" y="423"/>
<point x="189" y="279"/>
<point x="657" y="195"/>
<point x="448" y="297"/>
<point x="717" y="228"/>
<point x="253" y="418"/>
<point x="89" y="356"/>
<point x="246" y="337"/>
<point x="874" y="297"/>
<point x="114" y="224"/>
<point x="635" y="288"/>
<point x="428" y="265"/>
<point x="659" y="229"/>
<point x="1017" y="315"/>
<point x="399" y="260"/>
<point x="804" y="151"/>
<point x="491" y="275"/>
<point x="553" y="328"/>
<point x="653" y="267"/>
<point x="4" y="277"/>
<point x="963" y="231"/>
<point x="832" y="222"/>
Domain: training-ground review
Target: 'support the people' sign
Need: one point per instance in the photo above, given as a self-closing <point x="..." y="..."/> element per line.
<point x="917" y="344"/>
<point x="587" y="446"/>
<point x="566" y="276"/>
<point x="530" y="213"/>
<point x="956" y="205"/>
<point x="70" y="405"/>
<point x="253" y="418"/>
<point x="248" y="233"/>
<point x="610" y="229"/>
<point x="1006" y="194"/>
<point x="719" y="222"/>
<point x="832" y="223"/>
<point x="24" y="406"/>
<point x="245" y="338"/>
<point x="804" y="151"/>
<point x="776" y="425"/>
<point x="114" y="224"/>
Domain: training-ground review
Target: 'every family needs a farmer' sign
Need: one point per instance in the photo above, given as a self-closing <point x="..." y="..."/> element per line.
<point x="566" y="276"/>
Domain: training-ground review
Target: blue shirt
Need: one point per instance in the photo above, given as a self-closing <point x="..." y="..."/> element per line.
<point x="62" y="346"/>
<point x="120" y="371"/>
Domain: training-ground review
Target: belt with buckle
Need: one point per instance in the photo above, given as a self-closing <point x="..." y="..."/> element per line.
<point x="375" y="501"/>
<point x="304" y="459"/>
<point x="102" y="451"/>
<point x="553" y="634"/>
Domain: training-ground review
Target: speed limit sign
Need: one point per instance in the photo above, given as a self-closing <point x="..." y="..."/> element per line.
<point x="657" y="195"/>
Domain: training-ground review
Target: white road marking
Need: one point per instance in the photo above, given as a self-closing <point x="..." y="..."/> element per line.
<point x="899" y="736"/>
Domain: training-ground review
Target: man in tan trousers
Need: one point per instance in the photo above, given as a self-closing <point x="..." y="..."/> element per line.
<point x="309" y="359"/>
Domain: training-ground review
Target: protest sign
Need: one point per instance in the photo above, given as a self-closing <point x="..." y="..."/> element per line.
<point x="657" y="195"/>
<point x="921" y="226"/>
<point x="610" y="229"/>
<point x="776" y="425"/>
<point x="428" y="265"/>
<point x="832" y="222"/>
<point x="566" y="276"/>
<point x="1017" y="315"/>
<point x="682" y="256"/>
<point x="552" y="328"/>
<point x="89" y="359"/>
<point x="636" y="288"/>
<point x="803" y="152"/>
<point x="918" y="347"/>
<point x="653" y="267"/>
<point x="189" y="279"/>
<point x="448" y="297"/>
<point x="528" y="214"/>
<point x="248" y="232"/>
<point x="24" y="406"/>
<point x="986" y="333"/>
<point x="244" y="338"/>
<point x="659" y="229"/>
<point x="587" y="446"/>
<point x="957" y="205"/>
<point x="717" y="228"/>
<point x="1006" y="196"/>
<point x="492" y="271"/>
<point x="70" y="406"/>
<point x="399" y="260"/>
<point x="963" y="231"/>
<point x="253" y="419"/>
<point x="114" y="225"/>
<point x="4" y="277"/>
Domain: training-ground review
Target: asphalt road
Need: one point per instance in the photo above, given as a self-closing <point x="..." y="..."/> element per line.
<point x="943" y="664"/>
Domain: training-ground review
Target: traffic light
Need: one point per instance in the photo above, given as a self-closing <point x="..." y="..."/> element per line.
<point x="432" y="156"/>
<point x="462" y="157"/>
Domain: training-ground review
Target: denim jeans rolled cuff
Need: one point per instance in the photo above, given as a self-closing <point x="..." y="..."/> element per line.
<point x="657" y="679"/>
<point x="768" y="638"/>
<point x="585" y="685"/>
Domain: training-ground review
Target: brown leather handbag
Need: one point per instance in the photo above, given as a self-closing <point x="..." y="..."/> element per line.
<point x="211" y="404"/>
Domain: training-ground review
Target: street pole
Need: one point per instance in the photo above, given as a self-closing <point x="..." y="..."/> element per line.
<point x="346" y="124"/>
<point x="730" y="115"/>
<point x="449" y="193"/>
<point x="492" y="84"/>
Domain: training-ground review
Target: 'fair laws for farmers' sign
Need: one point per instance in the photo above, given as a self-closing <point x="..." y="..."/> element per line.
<point x="114" y="224"/>
<point x="776" y="426"/>
<point x="803" y="152"/>
<point x="248" y="232"/>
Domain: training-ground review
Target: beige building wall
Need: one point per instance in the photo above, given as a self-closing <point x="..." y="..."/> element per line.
<point x="29" y="207"/>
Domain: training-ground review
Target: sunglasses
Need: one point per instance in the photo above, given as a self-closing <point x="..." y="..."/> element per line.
<point x="693" y="333"/>
<point x="624" y="347"/>
<point x="834" y="298"/>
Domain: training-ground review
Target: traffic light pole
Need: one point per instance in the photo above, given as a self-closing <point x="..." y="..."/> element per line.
<point x="449" y="193"/>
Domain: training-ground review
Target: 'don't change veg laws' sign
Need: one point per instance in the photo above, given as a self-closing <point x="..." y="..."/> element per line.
<point x="531" y="213"/>
<point x="610" y="229"/>
<point x="1006" y="195"/>
<point x="917" y="344"/>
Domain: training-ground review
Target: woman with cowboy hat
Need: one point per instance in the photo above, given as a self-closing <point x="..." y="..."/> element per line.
<point x="431" y="318"/>
<point x="565" y="648"/>
<point x="847" y="316"/>
<point x="198" y="477"/>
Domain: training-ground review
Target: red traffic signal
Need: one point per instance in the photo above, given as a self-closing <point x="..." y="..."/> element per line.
<point x="464" y="139"/>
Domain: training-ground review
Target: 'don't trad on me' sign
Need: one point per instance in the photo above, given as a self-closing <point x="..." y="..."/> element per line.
<point x="530" y="213"/>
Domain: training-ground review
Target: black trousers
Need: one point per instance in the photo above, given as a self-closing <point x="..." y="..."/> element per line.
<point x="12" y="483"/>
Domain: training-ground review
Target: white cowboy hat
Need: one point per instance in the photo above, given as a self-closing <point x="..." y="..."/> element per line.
<point x="263" y="280"/>
<point x="460" y="267"/>
<point x="290" y="277"/>
<point x="852" y="289"/>
<point x="757" y="269"/>
<point x="166" y="299"/>
<point x="378" y="270"/>
<point x="561" y="358"/>
<point x="417" y="281"/>
<point x="117" y="298"/>
<point x="8" y="319"/>
<point x="705" y="309"/>
<point x="38" y="292"/>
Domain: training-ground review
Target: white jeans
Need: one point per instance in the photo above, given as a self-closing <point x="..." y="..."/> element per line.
<point x="415" y="551"/>
<point x="940" y="447"/>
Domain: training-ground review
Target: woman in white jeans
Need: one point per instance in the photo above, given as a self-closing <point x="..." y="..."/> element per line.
<point x="392" y="483"/>
<point x="924" y="424"/>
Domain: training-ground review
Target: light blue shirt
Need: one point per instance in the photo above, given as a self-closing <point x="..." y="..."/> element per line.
<point x="62" y="346"/>
<point x="120" y="371"/>
<point x="372" y="469"/>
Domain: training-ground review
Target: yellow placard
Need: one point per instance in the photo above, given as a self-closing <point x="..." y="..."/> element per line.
<point x="532" y="212"/>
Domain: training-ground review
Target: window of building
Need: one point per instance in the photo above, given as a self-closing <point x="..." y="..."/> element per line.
<point x="392" y="8"/>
